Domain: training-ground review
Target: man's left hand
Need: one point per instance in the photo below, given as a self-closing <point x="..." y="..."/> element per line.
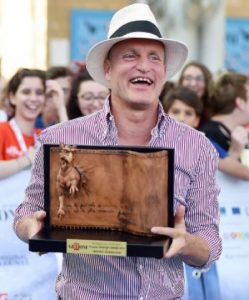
<point x="178" y="233"/>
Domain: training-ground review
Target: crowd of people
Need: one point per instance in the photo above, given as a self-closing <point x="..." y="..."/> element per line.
<point x="33" y="100"/>
<point x="217" y="107"/>
<point x="198" y="104"/>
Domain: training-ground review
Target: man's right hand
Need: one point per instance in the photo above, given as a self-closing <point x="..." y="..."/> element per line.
<point x="28" y="226"/>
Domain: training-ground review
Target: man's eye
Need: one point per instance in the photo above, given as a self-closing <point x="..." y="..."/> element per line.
<point x="154" y="57"/>
<point x="129" y="55"/>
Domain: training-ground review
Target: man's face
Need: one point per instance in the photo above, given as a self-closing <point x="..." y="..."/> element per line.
<point x="136" y="71"/>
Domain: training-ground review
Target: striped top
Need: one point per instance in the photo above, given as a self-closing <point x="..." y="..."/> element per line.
<point x="109" y="277"/>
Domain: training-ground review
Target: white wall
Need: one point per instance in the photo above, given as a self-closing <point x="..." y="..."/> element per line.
<point x="201" y="30"/>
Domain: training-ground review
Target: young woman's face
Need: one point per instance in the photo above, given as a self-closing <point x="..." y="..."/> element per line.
<point x="91" y="96"/>
<point x="194" y="79"/>
<point x="29" y="98"/>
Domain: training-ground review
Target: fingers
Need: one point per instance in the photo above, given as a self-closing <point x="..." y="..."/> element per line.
<point x="179" y="223"/>
<point x="167" y="231"/>
<point x="179" y="217"/>
<point x="177" y="233"/>
<point x="40" y="215"/>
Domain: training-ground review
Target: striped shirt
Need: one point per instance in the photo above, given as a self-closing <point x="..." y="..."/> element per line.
<point x="108" y="277"/>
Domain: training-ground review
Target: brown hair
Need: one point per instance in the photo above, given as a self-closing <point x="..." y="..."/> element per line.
<point x="185" y="95"/>
<point x="228" y="87"/>
<point x="18" y="77"/>
<point x="58" y="71"/>
<point x="207" y="78"/>
<point x="73" y="109"/>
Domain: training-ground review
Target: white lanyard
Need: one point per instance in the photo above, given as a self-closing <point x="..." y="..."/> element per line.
<point x="19" y="136"/>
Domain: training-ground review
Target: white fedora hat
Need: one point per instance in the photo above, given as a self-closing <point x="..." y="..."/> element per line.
<point x="134" y="21"/>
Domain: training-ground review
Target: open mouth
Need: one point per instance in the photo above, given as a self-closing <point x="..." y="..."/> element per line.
<point x="33" y="108"/>
<point x="141" y="81"/>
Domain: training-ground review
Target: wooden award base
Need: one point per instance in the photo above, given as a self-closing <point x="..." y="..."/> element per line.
<point x="131" y="245"/>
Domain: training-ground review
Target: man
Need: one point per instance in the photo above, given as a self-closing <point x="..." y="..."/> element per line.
<point x="134" y="62"/>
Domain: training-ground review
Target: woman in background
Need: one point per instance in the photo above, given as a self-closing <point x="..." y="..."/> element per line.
<point x="87" y="95"/>
<point x="26" y="93"/>
<point x="197" y="77"/>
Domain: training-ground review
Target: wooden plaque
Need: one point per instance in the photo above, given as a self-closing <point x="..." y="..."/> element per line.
<point x="108" y="194"/>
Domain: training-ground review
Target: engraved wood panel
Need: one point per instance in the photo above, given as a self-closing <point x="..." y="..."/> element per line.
<point x="124" y="190"/>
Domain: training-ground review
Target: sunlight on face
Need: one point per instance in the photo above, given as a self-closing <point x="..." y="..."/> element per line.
<point x="29" y="98"/>
<point x="136" y="71"/>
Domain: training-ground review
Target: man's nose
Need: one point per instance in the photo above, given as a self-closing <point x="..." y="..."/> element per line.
<point x="143" y="65"/>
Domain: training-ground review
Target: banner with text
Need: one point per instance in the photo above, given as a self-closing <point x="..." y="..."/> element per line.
<point x="23" y="275"/>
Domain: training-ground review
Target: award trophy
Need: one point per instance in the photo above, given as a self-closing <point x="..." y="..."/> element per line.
<point x="103" y="200"/>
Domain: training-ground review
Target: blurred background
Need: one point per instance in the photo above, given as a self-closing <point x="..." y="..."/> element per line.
<point x="58" y="33"/>
<point x="45" y="33"/>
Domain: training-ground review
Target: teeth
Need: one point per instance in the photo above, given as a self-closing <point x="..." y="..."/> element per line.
<point x="141" y="79"/>
<point x="32" y="107"/>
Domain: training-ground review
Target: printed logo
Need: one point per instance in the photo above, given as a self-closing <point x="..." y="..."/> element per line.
<point x="235" y="236"/>
<point x="13" y="152"/>
<point x="223" y="211"/>
<point x="236" y="210"/>
<point x="76" y="246"/>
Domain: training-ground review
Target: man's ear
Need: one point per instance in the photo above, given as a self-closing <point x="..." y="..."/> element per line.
<point x="107" y="67"/>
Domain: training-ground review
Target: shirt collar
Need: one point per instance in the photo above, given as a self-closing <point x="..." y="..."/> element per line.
<point x="109" y="123"/>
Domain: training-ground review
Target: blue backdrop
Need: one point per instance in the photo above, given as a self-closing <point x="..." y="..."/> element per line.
<point x="87" y="28"/>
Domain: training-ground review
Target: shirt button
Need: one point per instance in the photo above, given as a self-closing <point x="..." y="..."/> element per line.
<point x="140" y="268"/>
<point x="141" y="298"/>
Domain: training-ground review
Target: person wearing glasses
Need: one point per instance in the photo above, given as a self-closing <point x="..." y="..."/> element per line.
<point x="197" y="77"/>
<point x="87" y="95"/>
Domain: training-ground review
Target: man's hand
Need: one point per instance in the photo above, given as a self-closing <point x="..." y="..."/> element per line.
<point x="193" y="249"/>
<point x="239" y="139"/>
<point x="55" y="94"/>
<point x="30" y="225"/>
<point x="178" y="233"/>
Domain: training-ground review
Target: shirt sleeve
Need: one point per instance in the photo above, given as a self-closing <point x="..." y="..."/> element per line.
<point x="202" y="215"/>
<point x="34" y="193"/>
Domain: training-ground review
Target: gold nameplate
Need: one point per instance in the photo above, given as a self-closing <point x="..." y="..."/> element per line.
<point x="96" y="247"/>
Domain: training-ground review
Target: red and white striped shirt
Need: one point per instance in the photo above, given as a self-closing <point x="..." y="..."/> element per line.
<point x="108" y="277"/>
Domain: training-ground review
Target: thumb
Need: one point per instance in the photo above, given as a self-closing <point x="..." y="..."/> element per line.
<point x="40" y="215"/>
<point x="179" y="217"/>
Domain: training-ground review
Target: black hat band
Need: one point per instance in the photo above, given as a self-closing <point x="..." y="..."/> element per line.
<point x="137" y="26"/>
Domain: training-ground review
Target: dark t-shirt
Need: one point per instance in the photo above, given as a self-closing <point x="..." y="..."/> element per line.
<point x="217" y="132"/>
